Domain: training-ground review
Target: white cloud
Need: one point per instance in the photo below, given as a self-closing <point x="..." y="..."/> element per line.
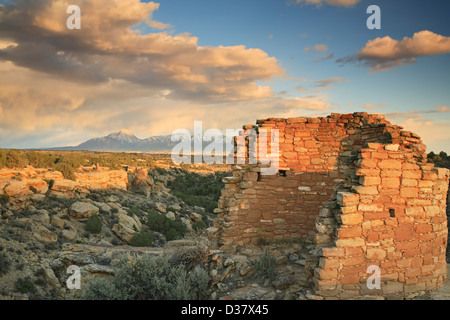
<point x="108" y="48"/>
<point x="59" y="87"/>
<point x="385" y="53"/>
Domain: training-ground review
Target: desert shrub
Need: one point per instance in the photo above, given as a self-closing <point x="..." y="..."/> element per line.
<point x="4" y="199"/>
<point x="142" y="239"/>
<point x="94" y="224"/>
<point x="148" y="278"/>
<point x="194" y="255"/>
<point x="200" y="277"/>
<point x="25" y="285"/>
<point x="172" y="230"/>
<point x="102" y="289"/>
<point x="66" y="169"/>
<point x="266" y="265"/>
<point x="198" y="190"/>
<point x="199" y="225"/>
<point x="5" y="264"/>
<point x="134" y="210"/>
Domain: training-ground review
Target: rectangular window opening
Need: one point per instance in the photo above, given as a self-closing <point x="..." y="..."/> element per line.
<point x="392" y="213"/>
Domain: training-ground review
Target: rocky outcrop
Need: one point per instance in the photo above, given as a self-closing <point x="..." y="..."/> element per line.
<point x="141" y="182"/>
<point x="64" y="188"/>
<point x="126" y="227"/>
<point x="20" y="185"/>
<point x="101" y="180"/>
<point x="82" y="210"/>
<point x="42" y="234"/>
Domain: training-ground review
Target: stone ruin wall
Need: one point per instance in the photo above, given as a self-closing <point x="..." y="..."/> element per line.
<point x="358" y="186"/>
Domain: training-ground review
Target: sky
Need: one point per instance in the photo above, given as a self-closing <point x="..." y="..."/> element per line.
<point x="154" y="67"/>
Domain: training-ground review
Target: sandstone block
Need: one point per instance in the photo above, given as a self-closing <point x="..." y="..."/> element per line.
<point x="390" y="164"/>
<point x="376" y="254"/>
<point x="82" y="210"/>
<point x="347" y="199"/>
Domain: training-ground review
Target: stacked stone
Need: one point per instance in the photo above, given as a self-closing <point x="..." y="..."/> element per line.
<point x="313" y="153"/>
<point x="395" y="219"/>
<point x="255" y="206"/>
<point x="361" y="188"/>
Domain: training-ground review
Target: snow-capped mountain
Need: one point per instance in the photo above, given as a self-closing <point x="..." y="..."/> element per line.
<point x="125" y="140"/>
<point x="117" y="141"/>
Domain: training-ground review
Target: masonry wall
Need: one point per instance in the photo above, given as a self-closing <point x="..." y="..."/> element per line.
<point x="358" y="186"/>
<point x="313" y="157"/>
<point x="395" y="219"/>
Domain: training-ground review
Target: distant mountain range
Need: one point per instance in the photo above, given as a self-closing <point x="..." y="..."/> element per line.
<point x="126" y="141"/>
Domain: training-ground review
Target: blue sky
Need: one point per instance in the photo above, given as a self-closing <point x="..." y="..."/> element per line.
<point x="284" y="32"/>
<point x="107" y="76"/>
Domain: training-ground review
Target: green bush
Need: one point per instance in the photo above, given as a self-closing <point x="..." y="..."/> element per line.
<point x="199" y="225"/>
<point x="4" y="199"/>
<point x="172" y="230"/>
<point x="198" y="190"/>
<point x="66" y="169"/>
<point x="24" y="285"/>
<point x="134" y="210"/>
<point x="94" y="224"/>
<point x="5" y="264"/>
<point x="266" y="265"/>
<point x="142" y="239"/>
<point x="149" y="278"/>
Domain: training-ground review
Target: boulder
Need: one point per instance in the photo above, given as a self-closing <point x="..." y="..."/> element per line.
<point x="102" y="206"/>
<point x="82" y="210"/>
<point x="175" y="207"/>
<point x="42" y="234"/>
<point x="124" y="233"/>
<point x="141" y="182"/>
<point x="160" y="207"/>
<point x="126" y="227"/>
<point x="37" y="185"/>
<point x="50" y="278"/>
<point x="57" y="221"/>
<point x="170" y="215"/>
<point x="196" y="217"/>
<point x="138" y="222"/>
<point x="16" y="188"/>
<point x="68" y="235"/>
<point x="128" y="221"/>
<point x="63" y="188"/>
